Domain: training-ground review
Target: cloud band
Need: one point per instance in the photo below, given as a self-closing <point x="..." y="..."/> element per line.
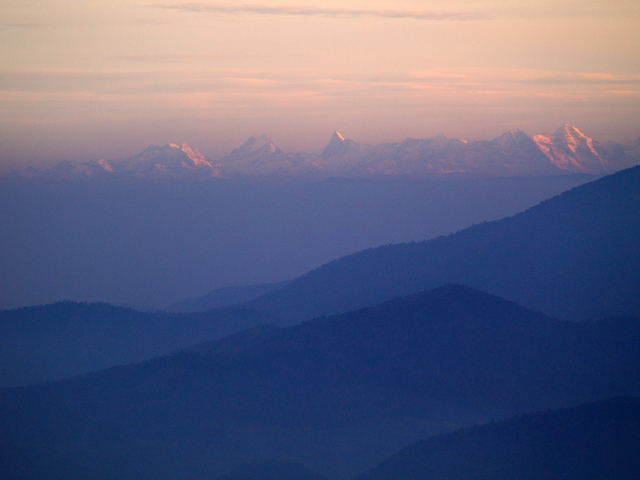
<point x="322" y="12"/>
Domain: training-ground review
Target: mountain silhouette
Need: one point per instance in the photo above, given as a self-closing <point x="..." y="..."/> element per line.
<point x="224" y="297"/>
<point x="574" y="256"/>
<point x="63" y="339"/>
<point x="336" y="394"/>
<point x="597" y="441"/>
<point x="154" y="244"/>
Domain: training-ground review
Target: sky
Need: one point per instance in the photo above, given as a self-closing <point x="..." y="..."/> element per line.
<point x="88" y="79"/>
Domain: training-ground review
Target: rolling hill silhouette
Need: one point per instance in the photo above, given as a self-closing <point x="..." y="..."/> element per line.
<point x="597" y="441"/>
<point x="63" y="339"/>
<point x="224" y="297"/>
<point x="336" y="394"/>
<point x="574" y="256"/>
<point x="151" y="244"/>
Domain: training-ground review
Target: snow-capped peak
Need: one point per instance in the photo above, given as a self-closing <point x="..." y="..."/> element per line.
<point x="514" y="136"/>
<point x="570" y="149"/>
<point x="256" y="146"/>
<point x="573" y="137"/>
<point x="172" y="156"/>
<point x="570" y="130"/>
<point x="337" y="145"/>
<point x="194" y="154"/>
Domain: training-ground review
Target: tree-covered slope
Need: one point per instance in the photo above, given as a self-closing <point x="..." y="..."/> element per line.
<point x="224" y="297"/>
<point x="597" y="441"/>
<point x="574" y="256"/>
<point x="337" y="394"/>
<point x="63" y="339"/>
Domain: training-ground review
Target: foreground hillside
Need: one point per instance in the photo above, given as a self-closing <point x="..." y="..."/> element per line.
<point x="574" y="256"/>
<point x="598" y="441"/>
<point x="336" y="394"/>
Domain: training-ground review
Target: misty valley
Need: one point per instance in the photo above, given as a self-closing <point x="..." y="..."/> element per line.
<point x="354" y="315"/>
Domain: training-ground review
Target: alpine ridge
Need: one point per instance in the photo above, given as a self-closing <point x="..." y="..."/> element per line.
<point x="514" y="153"/>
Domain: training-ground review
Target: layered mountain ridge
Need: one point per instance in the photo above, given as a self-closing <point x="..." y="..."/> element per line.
<point x="168" y="161"/>
<point x="514" y="153"/>
<point x="337" y="394"/>
<point x="341" y="392"/>
<point x="574" y="256"/>
<point x="59" y="340"/>
<point x="596" y="441"/>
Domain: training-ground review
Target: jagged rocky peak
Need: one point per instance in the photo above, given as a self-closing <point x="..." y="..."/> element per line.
<point x="442" y="140"/>
<point x="570" y="149"/>
<point x="515" y="133"/>
<point x="568" y="137"/>
<point x="71" y="169"/>
<point x="574" y="139"/>
<point x="170" y="155"/>
<point x="102" y="163"/>
<point x="193" y="154"/>
<point x="569" y="131"/>
<point x="338" y="145"/>
<point x="337" y="137"/>
<point x="515" y="136"/>
<point x="255" y="146"/>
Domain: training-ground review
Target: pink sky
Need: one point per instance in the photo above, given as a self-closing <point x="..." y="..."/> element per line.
<point x="104" y="79"/>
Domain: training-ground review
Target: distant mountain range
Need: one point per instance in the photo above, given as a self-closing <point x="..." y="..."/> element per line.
<point x="512" y="154"/>
<point x="169" y="161"/>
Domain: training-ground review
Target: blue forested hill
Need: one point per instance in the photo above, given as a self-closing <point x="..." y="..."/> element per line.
<point x="597" y="441"/>
<point x="224" y="297"/>
<point x="337" y="394"/>
<point x="63" y="339"/>
<point x="574" y="256"/>
<point x="156" y="243"/>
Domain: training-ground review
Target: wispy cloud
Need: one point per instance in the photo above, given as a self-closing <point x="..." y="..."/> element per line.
<point x="585" y="79"/>
<point x="181" y="58"/>
<point x="252" y="81"/>
<point x="321" y="11"/>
